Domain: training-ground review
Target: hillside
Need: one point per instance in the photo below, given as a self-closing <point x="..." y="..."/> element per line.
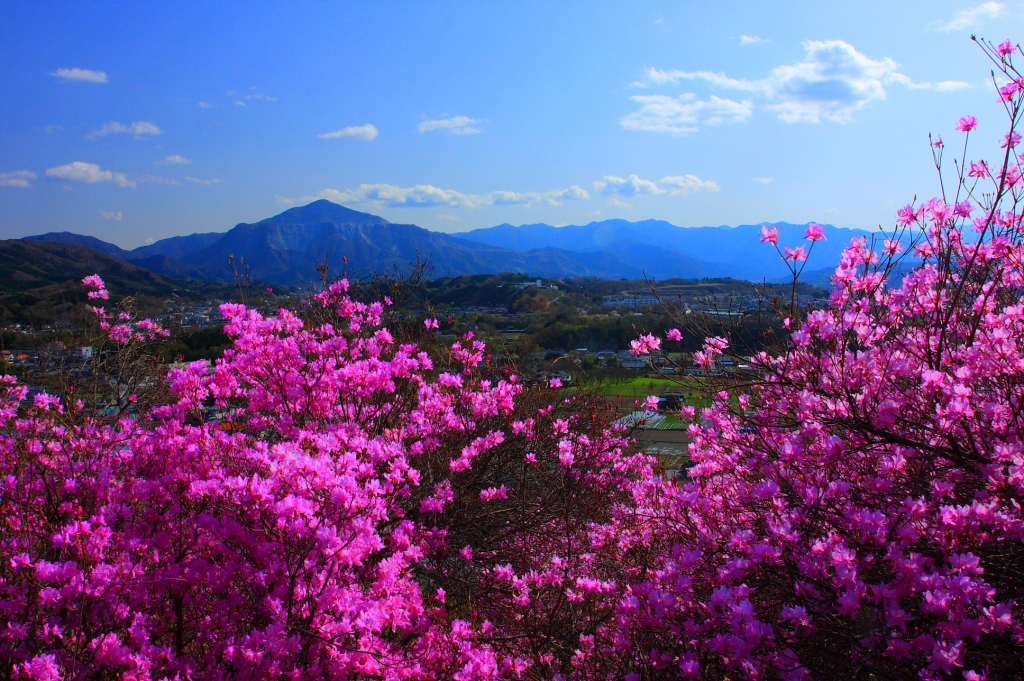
<point x="40" y="281"/>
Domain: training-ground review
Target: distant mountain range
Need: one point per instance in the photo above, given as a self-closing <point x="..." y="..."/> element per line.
<point x="286" y="249"/>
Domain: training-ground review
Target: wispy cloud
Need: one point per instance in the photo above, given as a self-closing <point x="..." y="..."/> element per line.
<point x="366" y="132"/>
<point x="972" y="16"/>
<point x="832" y="82"/>
<point x="138" y="129"/>
<point x="628" y="187"/>
<point x="619" y="203"/>
<point x="89" y="173"/>
<point x="457" y="125"/>
<point x="199" y="180"/>
<point x="681" y="185"/>
<point x="157" y="179"/>
<point x="241" y="99"/>
<point x="110" y="215"/>
<point x="80" y="75"/>
<point x="683" y="114"/>
<point x="633" y="185"/>
<point x="17" y="178"/>
<point x="763" y="180"/>
<point x="750" y="40"/>
<point x="174" y="160"/>
<point x="204" y="105"/>
<point x="429" y="196"/>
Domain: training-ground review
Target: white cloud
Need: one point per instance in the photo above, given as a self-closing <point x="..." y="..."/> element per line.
<point x="970" y="17"/>
<point x="363" y="132"/>
<point x="199" y="180"/>
<point x="832" y="82"/>
<point x="681" y="115"/>
<point x="138" y="128"/>
<point x="88" y="172"/>
<point x="630" y="186"/>
<point x="241" y="99"/>
<point x="17" y="178"/>
<point x="158" y="179"/>
<point x="458" y="125"/>
<point x="619" y="204"/>
<point x="681" y="185"/>
<point x="204" y="105"/>
<point x="81" y="75"/>
<point x="429" y="196"/>
<point x="749" y="40"/>
<point x="110" y="215"/>
<point x="174" y="160"/>
<point x="763" y="180"/>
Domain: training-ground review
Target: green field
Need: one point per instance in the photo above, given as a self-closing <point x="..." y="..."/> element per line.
<point x="639" y="387"/>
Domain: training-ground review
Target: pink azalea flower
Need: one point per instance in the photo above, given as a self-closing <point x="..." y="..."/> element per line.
<point x="814" y="232"/>
<point x="770" y="235"/>
<point x="967" y="124"/>
<point x="798" y="254"/>
<point x="645" y="344"/>
<point x="979" y="170"/>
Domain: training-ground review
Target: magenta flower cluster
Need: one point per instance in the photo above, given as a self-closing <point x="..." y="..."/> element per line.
<point x="296" y="537"/>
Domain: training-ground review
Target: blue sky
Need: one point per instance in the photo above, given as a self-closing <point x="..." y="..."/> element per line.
<point x="135" y="122"/>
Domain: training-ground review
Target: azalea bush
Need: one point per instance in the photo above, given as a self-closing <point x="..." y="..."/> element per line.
<point x="325" y="501"/>
<point x="857" y="513"/>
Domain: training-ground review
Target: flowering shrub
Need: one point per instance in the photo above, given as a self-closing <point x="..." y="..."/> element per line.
<point x="858" y="514"/>
<point x="352" y="510"/>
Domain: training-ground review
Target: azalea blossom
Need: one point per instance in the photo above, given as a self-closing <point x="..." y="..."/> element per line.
<point x="967" y="124"/>
<point x="798" y="254"/>
<point x="814" y="232"/>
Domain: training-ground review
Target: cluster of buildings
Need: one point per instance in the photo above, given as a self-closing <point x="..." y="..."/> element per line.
<point x="538" y="283"/>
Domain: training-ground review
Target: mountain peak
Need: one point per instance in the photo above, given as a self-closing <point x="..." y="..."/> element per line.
<point x="321" y="212"/>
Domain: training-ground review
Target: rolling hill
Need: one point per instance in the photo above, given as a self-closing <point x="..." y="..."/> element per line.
<point x="40" y="281"/>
